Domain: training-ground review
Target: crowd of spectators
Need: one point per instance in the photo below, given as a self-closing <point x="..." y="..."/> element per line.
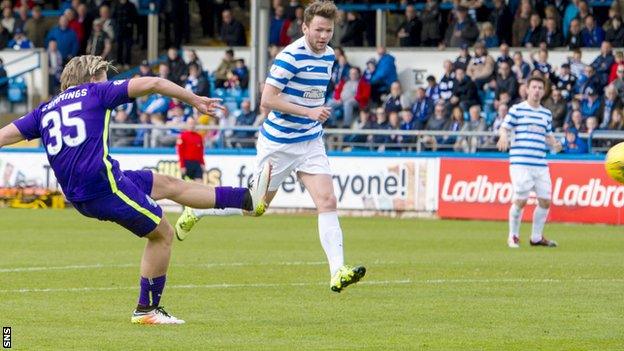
<point x="530" y="23"/>
<point x="104" y="28"/>
<point x="452" y="23"/>
<point x="159" y="110"/>
<point x="473" y="94"/>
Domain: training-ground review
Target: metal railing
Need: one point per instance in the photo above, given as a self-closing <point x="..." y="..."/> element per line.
<point x="421" y="6"/>
<point x="30" y="83"/>
<point x="342" y="139"/>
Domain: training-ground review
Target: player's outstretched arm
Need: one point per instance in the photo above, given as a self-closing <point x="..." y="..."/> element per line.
<point x="150" y="85"/>
<point x="271" y="100"/>
<point x="10" y="135"/>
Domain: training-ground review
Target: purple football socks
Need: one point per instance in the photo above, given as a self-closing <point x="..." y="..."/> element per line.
<point x="229" y="197"/>
<point x="151" y="291"/>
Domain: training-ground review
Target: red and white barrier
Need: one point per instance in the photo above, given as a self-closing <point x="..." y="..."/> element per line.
<point x="454" y="187"/>
<point x="481" y="189"/>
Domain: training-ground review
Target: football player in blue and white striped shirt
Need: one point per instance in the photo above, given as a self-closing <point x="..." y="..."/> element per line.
<point x="290" y="139"/>
<point x="530" y="125"/>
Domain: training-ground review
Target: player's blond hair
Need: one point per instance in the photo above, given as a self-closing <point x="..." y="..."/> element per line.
<point x="325" y="9"/>
<point x="81" y="69"/>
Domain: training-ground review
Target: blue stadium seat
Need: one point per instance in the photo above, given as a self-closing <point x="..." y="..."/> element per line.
<point x="235" y="92"/>
<point x="244" y="95"/>
<point x="212" y="82"/>
<point x="219" y="93"/>
<point x="490" y="116"/>
<point x="232" y="96"/>
<point x="229" y="98"/>
<point x="231" y="106"/>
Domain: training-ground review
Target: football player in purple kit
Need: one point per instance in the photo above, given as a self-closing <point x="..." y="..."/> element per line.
<point x="73" y="126"/>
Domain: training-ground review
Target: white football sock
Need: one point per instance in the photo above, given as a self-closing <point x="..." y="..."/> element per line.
<point x="515" y="218"/>
<point x="199" y="213"/>
<point x="539" y="219"/>
<point x="331" y="240"/>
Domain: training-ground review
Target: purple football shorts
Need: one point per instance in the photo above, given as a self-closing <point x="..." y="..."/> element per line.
<point x="131" y="206"/>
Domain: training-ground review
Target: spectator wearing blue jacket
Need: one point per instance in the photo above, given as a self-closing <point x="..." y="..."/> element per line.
<point x="573" y="144"/>
<point x="340" y="70"/>
<point x="371" y="65"/>
<point x="385" y="74"/>
<point x="276" y="28"/>
<point x="4" y="83"/>
<point x="421" y="109"/>
<point x="571" y="12"/>
<point x="65" y="38"/>
<point x="602" y="64"/>
<point x="589" y="78"/>
<point x="381" y="123"/>
<point x="64" y="5"/>
<point x="407" y="123"/>
<point x="592" y="34"/>
<point x="245" y="117"/>
<point x="433" y="90"/>
<point x="590" y="103"/>
<point x="19" y="41"/>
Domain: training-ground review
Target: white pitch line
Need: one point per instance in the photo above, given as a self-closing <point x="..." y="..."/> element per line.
<point x="275" y="285"/>
<point x="197" y="265"/>
<point x="195" y="286"/>
<point x="61" y="268"/>
<point x="247" y="264"/>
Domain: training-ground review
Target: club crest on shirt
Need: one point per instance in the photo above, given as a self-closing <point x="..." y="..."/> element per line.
<point x="314" y="93"/>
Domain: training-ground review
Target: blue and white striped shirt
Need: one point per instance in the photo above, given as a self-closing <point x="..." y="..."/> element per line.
<point x="302" y="76"/>
<point x="529" y="127"/>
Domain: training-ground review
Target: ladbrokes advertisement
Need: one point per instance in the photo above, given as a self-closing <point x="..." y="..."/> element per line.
<point x="481" y="189"/>
<point x="361" y="183"/>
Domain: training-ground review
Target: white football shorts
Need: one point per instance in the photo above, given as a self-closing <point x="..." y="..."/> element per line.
<point x="306" y="156"/>
<point x="525" y="179"/>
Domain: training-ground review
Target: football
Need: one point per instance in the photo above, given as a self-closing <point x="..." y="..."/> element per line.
<point x="614" y="163"/>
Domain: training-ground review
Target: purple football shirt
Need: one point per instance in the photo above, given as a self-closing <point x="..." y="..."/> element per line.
<point x="73" y="128"/>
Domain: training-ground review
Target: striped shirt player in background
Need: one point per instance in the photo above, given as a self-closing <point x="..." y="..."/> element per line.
<point x="531" y="127"/>
<point x="291" y="137"/>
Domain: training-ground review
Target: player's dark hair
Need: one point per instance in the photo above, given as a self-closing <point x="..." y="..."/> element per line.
<point x="536" y="79"/>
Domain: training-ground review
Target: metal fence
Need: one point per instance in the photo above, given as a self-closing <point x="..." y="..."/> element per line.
<point x="347" y="139"/>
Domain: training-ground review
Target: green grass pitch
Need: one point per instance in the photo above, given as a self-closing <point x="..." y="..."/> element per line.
<point x="70" y="283"/>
